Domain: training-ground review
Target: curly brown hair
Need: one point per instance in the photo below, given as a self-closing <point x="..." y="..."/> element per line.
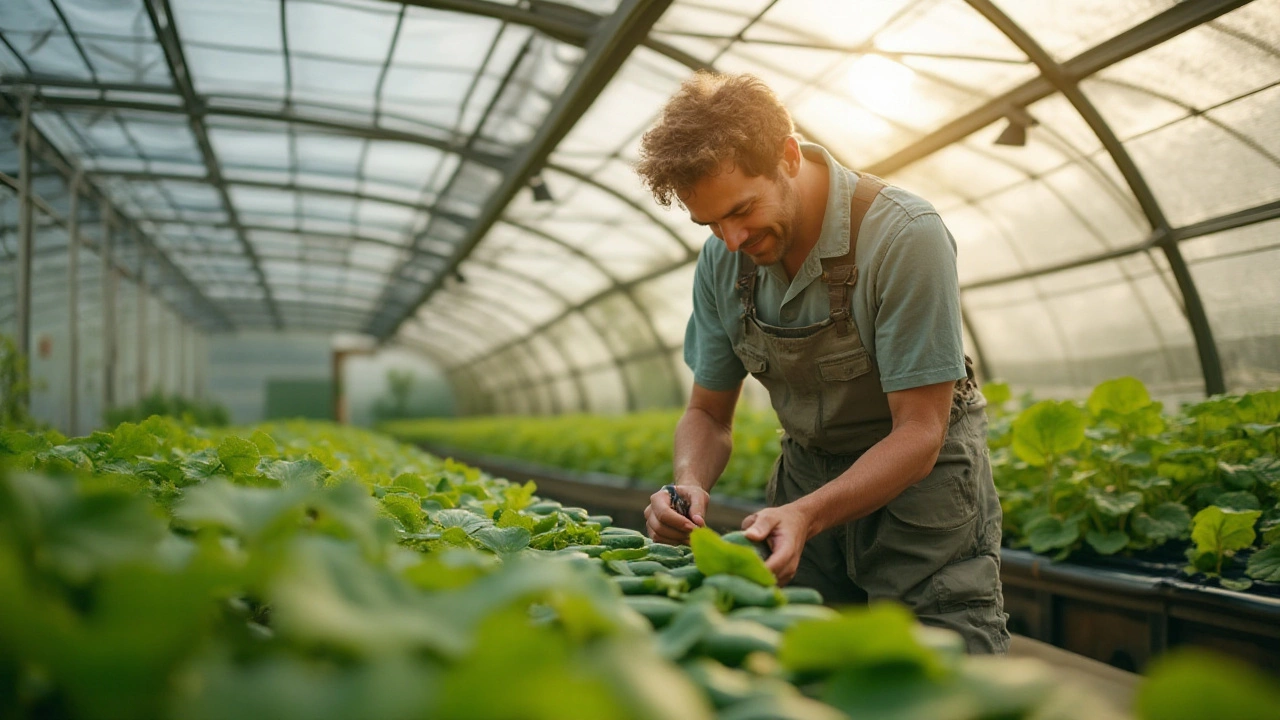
<point x="714" y="117"/>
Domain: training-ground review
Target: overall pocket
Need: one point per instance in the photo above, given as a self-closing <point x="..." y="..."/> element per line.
<point x="753" y="360"/>
<point x="845" y="365"/>
<point x="947" y="498"/>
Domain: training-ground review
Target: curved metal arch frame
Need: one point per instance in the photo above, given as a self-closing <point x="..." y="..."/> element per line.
<point x="1158" y="29"/>
<point x="1171" y="235"/>
<point x="485" y="390"/>
<point x="516" y="342"/>
<point x="1057" y="76"/>
<point x="630" y="296"/>
<point x="547" y="290"/>
<point x="526" y="378"/>
<point x="572" y="371"/>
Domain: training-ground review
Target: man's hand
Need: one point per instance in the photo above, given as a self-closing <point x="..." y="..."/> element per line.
<point x="668" y="526"/>
<point x="786" y="529"/>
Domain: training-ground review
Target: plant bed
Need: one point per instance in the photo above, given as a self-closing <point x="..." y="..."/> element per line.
<point x="310" y="571"/>
<point x="1120" y="610"/>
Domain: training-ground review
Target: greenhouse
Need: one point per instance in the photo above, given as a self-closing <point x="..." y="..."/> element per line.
<point x="375" y="359"/>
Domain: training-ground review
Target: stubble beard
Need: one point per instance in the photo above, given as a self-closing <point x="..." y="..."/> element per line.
<point x="788" y="225"/>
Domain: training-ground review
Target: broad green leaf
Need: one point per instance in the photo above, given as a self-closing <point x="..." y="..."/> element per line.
<point x="238" y="456"/>
<point x="302" y="687"/>
<point x="129" y="441"/>
<point x="882" y="634"/>
<point x="1108" y="543"/>
<point x="77" y="533"/>
<point x="687" y="628"/>
<point x="1237" y="585"/>
<point x="405" y="509"/>
<point x="306" y="472"/>
<point x="1051" y="533"/>
<point x="329" y="595"/>
<point x="997" y="393"/>
<point x="468" y="521"/>
<point x="1262" y="406"/>
<point x="16" y="442"/>
<point x="348" y="511"/>
<point x="1186" y="684"/>
<point x="1238" y="501"/>
<point x="1122" y="395"/>
<point x="1271" y="532"/>
<point x="624" y="554"/>
<point x="1265" y="564"/>
<point x="519" y="670"/>
<point x="896" y="692"/>
<point x="1163" y="522"/>
<point x="1264" y="471"/>
<point x="265" y="444"/>
<point x="456" y="536"/>
<point x="715" y="556"/>
<point x="1214" y="529"/>
<point x="570" y="535"/>
<point x="517" y="497"/>
<point x="512" y="518"/>
<point x="414" y="483"/>
<point x="1113" y="505"/>
<point x="245" y="511"/>
<point x="449" y="569"/>
<point x="1149" y="483"/>
<point x="503" y="541"/>
<point x="1047" y="430"/>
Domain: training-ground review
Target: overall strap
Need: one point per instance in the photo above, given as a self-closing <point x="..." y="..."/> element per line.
<point x="841" y="273"/>
<point x="746" y="284"/>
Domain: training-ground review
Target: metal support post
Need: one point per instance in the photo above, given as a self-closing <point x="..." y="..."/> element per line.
<point x="183" y="339"/>
<point x="73" y="305"/>
<point x="164" y="355"/>
<point x="202" y="356"/>
<point x="26" y="246"/>
<point x="142" y="315"/>
<point x="109" y="282"/>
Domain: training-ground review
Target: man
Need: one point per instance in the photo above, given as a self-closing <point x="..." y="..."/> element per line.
<point x="840" y="295"/>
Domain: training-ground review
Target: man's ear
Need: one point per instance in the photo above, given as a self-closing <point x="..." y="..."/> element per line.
<point x="791" y="156"/>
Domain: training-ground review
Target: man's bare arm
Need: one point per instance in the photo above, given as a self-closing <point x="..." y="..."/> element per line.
<point x="704" y="437"/>
<point x="703" y="442"/>
<point x="903" y="458"/>
<point x="890" y="466"/>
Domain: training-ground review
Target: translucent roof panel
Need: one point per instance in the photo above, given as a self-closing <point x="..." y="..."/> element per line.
<point x="367" y="163"/>
<point x="1235" y="273"/>
<point x="1052" y="232"/>
<point x="332" y="120"/>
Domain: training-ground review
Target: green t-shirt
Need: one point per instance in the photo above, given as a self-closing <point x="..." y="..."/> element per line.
<point x="906" y="303"/>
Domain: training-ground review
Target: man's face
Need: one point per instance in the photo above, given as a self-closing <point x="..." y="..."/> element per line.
<point x="755" y="215"/>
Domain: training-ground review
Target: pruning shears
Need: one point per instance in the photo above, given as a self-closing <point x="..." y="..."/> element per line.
<point x="679" y="503"/>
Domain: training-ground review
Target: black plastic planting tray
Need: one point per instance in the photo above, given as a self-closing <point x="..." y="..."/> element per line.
<point x="1122" y="611"/>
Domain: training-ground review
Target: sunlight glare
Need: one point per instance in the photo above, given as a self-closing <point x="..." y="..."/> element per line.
<point x="882" y="85"/>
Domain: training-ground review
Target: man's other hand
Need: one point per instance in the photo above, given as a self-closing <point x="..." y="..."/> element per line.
<point x="786" y="529"/>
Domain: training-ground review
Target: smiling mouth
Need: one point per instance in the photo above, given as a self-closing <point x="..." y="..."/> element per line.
<point x="753" y="243"/>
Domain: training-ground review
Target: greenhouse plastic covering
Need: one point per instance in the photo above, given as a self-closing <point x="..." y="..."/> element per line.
<point x="1110" y="170"/>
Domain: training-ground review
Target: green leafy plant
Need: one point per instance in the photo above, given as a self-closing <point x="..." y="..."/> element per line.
<point x="1122" y="476"/>
<point x="190" y="411"/>
<point x="301" y="570"/>
<point x="1218" y="534"/>
<point x="14" y="385"/>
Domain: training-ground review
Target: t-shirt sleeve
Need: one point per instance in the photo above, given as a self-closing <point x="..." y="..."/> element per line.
<point x="708" y="350"/>
<point x="919" y="340"/>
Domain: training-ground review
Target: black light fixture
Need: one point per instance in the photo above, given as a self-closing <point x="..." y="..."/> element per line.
<point x="1015" y="133"/>
<point x="541" y="193"/>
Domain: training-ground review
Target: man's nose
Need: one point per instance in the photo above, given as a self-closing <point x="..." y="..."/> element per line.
<point x="734" y="235"/>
